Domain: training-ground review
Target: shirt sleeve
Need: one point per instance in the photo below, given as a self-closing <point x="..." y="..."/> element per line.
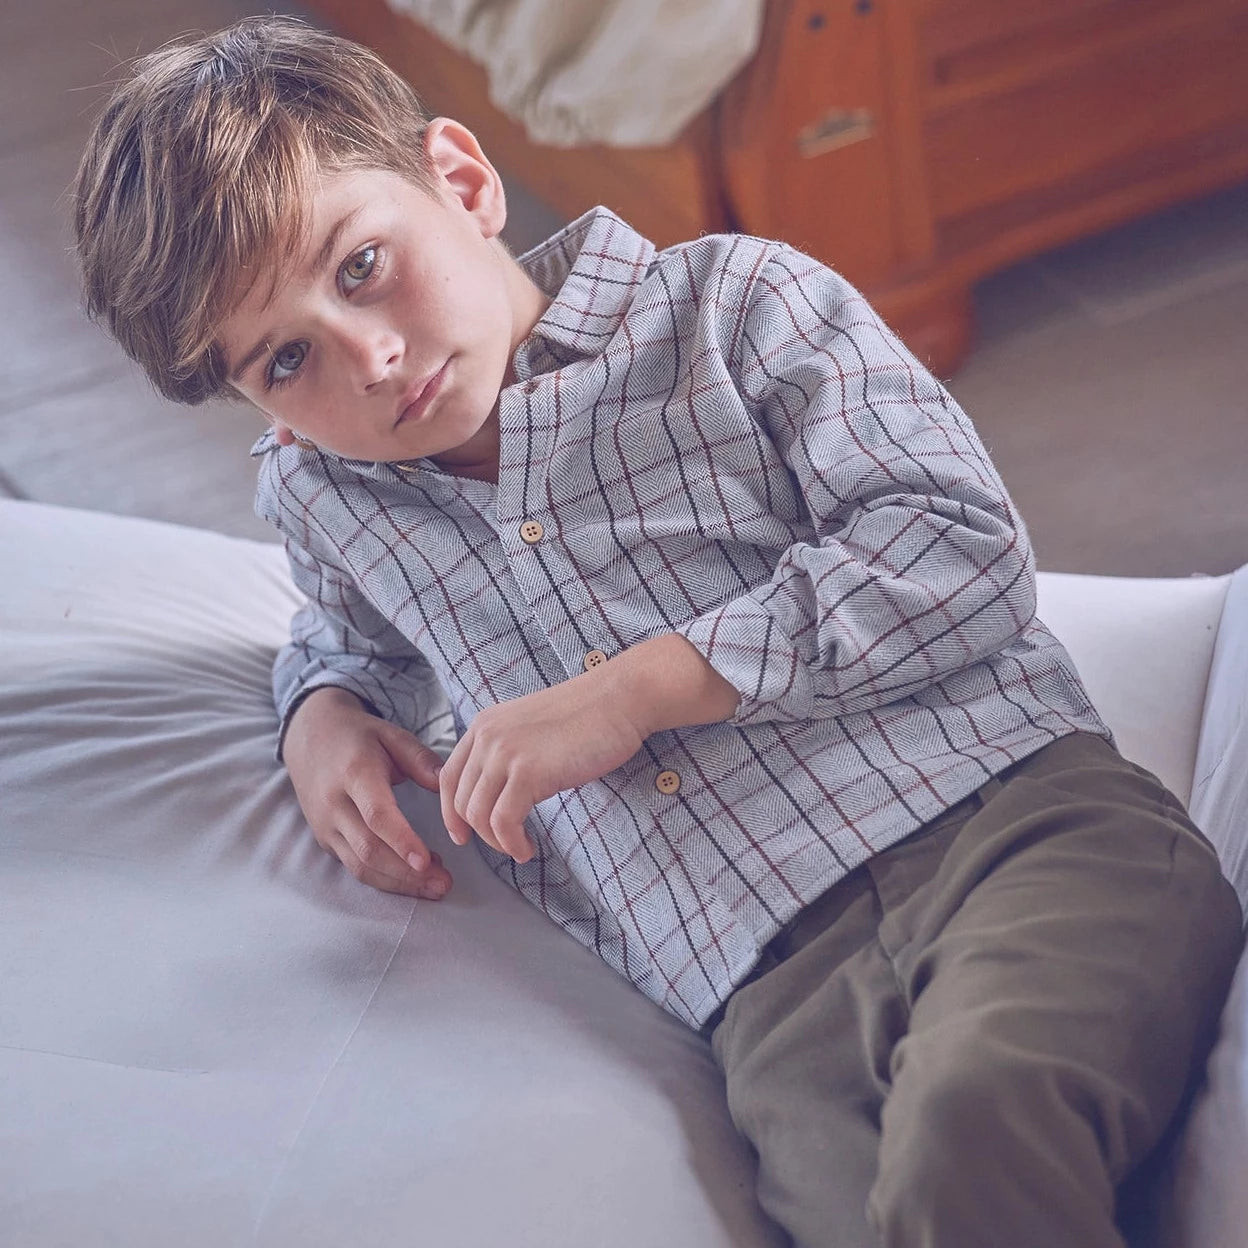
<point x="917" y="566"/>
<point x="339" y="639"/>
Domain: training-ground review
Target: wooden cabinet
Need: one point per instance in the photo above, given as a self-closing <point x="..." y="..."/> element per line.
<point x="915" y="147"/>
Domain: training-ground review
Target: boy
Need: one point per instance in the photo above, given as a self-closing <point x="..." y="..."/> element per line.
<point x="736" y="622"/>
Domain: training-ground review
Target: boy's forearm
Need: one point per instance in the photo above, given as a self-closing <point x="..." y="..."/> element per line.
<point x="665" y="682"/>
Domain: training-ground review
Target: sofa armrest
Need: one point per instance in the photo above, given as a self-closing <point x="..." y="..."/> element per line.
<point x="1144" y="648"/>
<point x="1205" y="1197"/>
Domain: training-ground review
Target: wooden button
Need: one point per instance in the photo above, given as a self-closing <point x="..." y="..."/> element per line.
<point x="531" y="531"/>
<point x="667" y="781"/>
<point x="595" y="658"/>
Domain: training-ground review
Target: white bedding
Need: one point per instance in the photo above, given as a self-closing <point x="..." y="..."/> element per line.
<point x="210" y="1035"/>
<point x="630" y="73"/>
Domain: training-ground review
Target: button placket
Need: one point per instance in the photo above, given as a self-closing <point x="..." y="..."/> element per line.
<point x="563" y="606"/>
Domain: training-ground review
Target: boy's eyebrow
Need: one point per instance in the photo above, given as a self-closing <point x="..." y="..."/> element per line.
<point x="330" y="245"/>
<point x="250" y="358"/>
<point x="319" y="261"/>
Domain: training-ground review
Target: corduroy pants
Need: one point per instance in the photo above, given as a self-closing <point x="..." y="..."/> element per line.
<point x="972" y="1040"/>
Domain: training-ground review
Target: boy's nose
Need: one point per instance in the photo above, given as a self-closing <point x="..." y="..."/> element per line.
<point x="374" y="356"/>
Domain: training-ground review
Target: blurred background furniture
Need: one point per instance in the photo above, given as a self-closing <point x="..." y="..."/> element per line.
<point x="1107" y="376"/>
<point x="915" y="147"/>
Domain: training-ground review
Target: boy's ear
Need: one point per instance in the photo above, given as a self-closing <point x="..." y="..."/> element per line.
<point x="454" y="158"/>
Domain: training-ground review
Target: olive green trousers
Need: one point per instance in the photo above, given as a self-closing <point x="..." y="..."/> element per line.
<point x="972" y="1040"/>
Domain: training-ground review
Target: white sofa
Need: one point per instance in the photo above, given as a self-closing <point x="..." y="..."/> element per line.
<point x="210" y="1035"/>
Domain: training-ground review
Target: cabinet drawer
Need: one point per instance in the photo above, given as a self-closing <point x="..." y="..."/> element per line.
<point x="1025" y="125"/>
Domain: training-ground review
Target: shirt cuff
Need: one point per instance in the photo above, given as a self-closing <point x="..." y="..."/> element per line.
<point x="428" y="717"/>
<point x="751" y="650"/>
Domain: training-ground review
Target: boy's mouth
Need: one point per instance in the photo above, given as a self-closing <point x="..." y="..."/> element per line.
<point x="416" y="398"/>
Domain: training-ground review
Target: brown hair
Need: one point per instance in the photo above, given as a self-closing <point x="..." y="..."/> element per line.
<point x="196" y="179"/>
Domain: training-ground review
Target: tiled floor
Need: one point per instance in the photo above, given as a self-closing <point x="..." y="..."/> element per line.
<point x="1109" y="380"/>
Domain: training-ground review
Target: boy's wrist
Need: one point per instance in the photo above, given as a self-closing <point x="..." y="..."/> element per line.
<point x="325" y="695"/>
<point x="665" y="682"/>
<point x="331" y="700"/>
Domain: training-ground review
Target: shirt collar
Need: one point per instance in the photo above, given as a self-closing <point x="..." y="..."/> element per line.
<point x="591" y="270"/>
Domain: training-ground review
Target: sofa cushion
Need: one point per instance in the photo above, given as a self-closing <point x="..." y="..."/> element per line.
<point x="210" y="1034"/>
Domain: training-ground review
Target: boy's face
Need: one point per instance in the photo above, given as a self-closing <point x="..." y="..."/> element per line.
<point x="391" y="333"/>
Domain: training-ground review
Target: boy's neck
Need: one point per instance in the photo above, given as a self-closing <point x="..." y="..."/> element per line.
<point x="478" y="457"/>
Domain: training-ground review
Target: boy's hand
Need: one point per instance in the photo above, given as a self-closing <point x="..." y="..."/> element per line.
<point x="519" y="753"/>
<point x="344" y="762"/>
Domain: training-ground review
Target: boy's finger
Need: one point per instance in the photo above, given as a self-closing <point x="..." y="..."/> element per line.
<point x="382" y="816"/>
<point x="374" y="863"/>
<point x="511" y="808"/>
<point x="465" y="798"/>
<point x="448" y="779"/>
<point x="414" y="760"/>
<point x="475" y="801"/>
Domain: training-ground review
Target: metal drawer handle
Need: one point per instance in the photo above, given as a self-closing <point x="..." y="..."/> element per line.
<point x="839" y="128"/>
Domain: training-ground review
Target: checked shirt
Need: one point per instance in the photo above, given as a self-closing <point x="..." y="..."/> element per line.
<point x="721" y="440"/>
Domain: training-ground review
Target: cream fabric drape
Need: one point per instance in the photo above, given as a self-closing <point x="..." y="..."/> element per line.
<point x="630" y="73"/>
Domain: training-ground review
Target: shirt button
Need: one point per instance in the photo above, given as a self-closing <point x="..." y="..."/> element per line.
<point x="531" y="531"/>
<point x="595" y="658"/>
<point x="667" y="781"/>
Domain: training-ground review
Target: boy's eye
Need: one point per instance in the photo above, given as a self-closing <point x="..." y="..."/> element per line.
<point x="287" y="361"/>
<point x="359" y="267"/>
